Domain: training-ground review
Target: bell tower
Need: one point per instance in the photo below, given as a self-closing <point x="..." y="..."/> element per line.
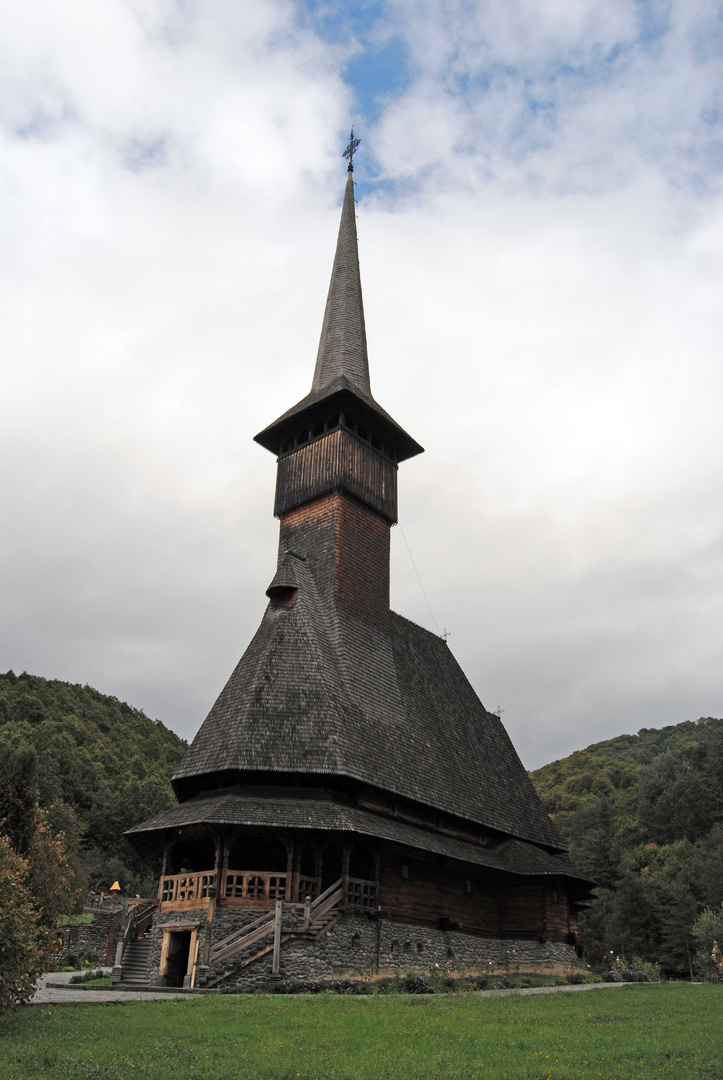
<point x="338" y="450"/>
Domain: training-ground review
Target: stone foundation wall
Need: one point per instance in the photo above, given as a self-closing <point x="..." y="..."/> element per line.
<point x="362" y="946"/>
<point x="225" y="922"/>
<point x="94" y="935"/>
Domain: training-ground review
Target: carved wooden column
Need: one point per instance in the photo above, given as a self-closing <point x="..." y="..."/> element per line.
<point x="345" y="856"/>
<point x="218" y="864"/>
<point x="295" y="869"/>
<point x="164" y="868"/>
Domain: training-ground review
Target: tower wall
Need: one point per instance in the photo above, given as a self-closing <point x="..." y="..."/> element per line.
<point x="338" y="460"/>
<point x="347" y="546"/>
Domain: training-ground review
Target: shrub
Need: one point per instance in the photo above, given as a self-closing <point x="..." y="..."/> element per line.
<point x="348" y="986"/>
<point x="88" y="976"/>
<point x="72" y="961"/>
<point x="707" y="928"/>
<point x="629" y="975"/>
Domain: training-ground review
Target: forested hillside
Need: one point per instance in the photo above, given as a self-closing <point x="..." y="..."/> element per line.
<point x="99" y="767"/>
<point x="643" y="816"/>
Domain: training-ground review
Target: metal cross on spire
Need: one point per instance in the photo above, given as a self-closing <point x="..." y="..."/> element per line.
<point x="349" y="152"/>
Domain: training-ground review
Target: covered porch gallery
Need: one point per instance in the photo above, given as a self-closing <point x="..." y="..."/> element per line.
<point x="255" y="869"/>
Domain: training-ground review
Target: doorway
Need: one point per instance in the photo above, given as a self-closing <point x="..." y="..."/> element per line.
<point x="179" y="948"/>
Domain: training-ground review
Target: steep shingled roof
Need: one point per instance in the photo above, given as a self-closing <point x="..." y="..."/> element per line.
<point x="341" y="373"/>
<point x="320" y="691"/>
<point x="283" y="809"/>
<point x="343" y="342"/>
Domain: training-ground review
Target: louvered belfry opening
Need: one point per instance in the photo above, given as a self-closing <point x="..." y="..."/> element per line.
<point x="348" y="770"/>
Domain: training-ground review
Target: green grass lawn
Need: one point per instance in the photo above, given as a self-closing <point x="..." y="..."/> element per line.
<point x="669" y="1030"/>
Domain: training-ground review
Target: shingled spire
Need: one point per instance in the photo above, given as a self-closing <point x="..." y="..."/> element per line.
<point x="337" y="438"/>
<point x="343" y="343"/>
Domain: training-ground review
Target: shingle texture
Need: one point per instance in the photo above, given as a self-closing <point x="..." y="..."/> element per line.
<point x="322" y="691"/>
<point x="343" y="342"/>
<point x="324" y="812"/>
<point x="341" y="373"/>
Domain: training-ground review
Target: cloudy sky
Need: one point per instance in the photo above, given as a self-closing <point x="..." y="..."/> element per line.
<point x="541" y="239"/>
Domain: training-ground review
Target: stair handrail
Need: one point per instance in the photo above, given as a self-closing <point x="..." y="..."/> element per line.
<point x="264" y="924"/>
<point x="327" y="892"/>
<point x="260" y="928"/>
<point x="239" y="934"/>
<point x="330" y="901"/>
<point x="248" y="939"/>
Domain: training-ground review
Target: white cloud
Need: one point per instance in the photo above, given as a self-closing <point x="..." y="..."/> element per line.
<point x="542" y="292"/>
<point x="555" y="96"/>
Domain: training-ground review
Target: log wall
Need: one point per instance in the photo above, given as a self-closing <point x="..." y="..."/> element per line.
<point x="339" y="460"/>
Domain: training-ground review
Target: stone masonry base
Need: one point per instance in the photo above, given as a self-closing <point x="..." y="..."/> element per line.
<point x="361" y="946"/>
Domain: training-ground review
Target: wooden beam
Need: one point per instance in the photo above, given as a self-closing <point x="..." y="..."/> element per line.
<point x="276" y="964"/>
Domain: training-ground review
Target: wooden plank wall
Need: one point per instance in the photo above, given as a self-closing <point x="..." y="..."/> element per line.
<point x="495" y="907"/>
<point x="339" y="458"/>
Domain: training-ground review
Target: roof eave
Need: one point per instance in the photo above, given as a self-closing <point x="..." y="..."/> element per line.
<point x="316" y="406"/>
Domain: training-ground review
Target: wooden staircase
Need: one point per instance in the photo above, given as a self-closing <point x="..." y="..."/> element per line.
<point x="310" y="920"/>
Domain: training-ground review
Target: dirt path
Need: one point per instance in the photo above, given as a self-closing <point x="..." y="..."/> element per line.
<point x="59" y="995"/>
<point x="63" y="993"/>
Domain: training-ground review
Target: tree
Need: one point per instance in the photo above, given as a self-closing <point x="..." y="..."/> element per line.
<point x="707" y="928"/>
<point x="20" y="932"/>
<point x="18" y="777"/>
<point x="36" y="877"/>
<point x="677" y="947"/>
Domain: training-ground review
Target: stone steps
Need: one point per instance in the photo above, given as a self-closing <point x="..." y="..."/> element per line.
<point x="136" y="957"/>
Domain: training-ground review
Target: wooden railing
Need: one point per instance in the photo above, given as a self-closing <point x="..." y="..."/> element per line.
<point x="361" y="893"/>
<point x="260" y="886"/>
<point x="182" y="888"/>
<point x="309" y="886"/>
<point x="253" y="885"/>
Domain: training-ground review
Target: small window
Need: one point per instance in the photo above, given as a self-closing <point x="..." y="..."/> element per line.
<point x="467" y="887"/>
<point x="420" y="946"/>
<point x="450" y="954"/>
<point x="407" y="946"/>
<point x="405" y="871"/>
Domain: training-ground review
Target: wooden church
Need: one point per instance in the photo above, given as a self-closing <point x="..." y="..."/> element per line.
<point x="348" y="803"/>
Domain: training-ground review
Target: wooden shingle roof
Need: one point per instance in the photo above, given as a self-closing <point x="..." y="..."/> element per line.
<point x="341" y="373"/>
<point x="322" y="692"/>
<point x="326" y="812"/>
